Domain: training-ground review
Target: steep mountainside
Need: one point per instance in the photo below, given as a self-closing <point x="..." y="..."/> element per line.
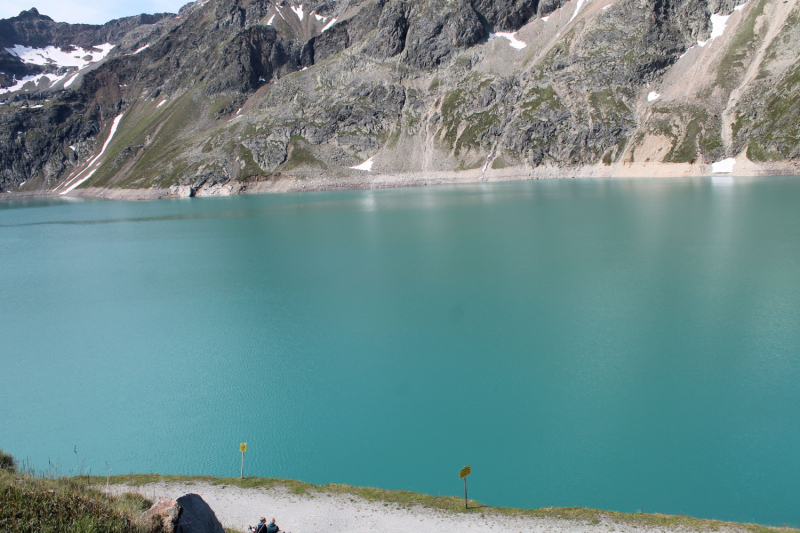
<point x="234" y="95"/>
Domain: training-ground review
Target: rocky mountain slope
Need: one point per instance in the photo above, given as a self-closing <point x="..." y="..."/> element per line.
<point x="235" y="95"/>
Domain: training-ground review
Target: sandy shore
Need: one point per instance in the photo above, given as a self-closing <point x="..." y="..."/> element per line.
<point x="366" y="180"/>
<point x="238" y="507"/>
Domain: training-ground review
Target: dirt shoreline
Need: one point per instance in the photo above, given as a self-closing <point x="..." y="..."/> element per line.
<point x="317" y="510"/>
<point x="322" y="181"/>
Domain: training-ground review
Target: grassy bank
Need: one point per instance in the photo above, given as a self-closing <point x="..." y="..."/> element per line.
<point x="36" y="502"/>
<point x="40" y="505"/>
<point x="453" y="504"/>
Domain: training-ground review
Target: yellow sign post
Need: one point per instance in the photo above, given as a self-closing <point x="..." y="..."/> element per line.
<point x="242" y="448"/>
<point x="464" y="472"/>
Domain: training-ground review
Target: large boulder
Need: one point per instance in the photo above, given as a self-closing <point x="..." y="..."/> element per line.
<point x="197" y="516"/>
<point x="163" y="516"/>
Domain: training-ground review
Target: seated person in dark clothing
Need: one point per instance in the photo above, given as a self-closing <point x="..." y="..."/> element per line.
<point x="272" y="527"/>
<point x="261" y="527"/>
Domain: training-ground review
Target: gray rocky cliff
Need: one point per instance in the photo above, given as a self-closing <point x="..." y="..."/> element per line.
<point x="239" y="89"/>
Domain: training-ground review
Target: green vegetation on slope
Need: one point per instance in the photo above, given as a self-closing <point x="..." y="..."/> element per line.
<point x="300" y="155"/>
<point x="775" y="131"/>
<point x="30" y="504"/>
<point x="732" y="65"/>
<point x="153" y="139"/>
<point x="455" y="504"/>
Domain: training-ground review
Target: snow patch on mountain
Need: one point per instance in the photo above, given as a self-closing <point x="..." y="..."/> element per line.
<point x="513" y="42"/>
<point x="366" y="165"/>
<point x="61" y="57"/>
<point x="35" y="79"/>
<point x="577" y="8"/>
<point x="725" y="166"/>
<point x="328" y="25"/>
<point x="718" y="23"/>
<point x="96" y="159"/>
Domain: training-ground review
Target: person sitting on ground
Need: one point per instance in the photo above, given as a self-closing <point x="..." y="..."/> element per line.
<point x="272" y="527"/>
<point x="261" y="527"/>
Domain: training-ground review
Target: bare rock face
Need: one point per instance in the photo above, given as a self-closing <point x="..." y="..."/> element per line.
<point x="439" y="29"/>
<point x="163" y="515"/>
<point x="392" y="29"/>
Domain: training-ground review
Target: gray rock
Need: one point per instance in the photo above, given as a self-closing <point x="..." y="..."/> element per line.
<point x="330" y="42"/>
<point x="505" y="15"/>
<point x="392" y="29"/>
<point x="197" y="516"/>
<point x="438" y="29"/>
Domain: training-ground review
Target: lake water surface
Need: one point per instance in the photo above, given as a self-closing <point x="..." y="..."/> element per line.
<point x="619" y="344"/>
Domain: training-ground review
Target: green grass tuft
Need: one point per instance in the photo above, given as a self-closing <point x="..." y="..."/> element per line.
<point x="7" y="462"/>
<point x="301" y="156"/>
<point x="67" y="505"/>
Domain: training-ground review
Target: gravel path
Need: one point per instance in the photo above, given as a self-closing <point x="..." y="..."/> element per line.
<point x="236" y="508"/>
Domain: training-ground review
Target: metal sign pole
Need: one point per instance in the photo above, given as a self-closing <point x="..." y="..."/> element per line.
<point x="467" y="470"/>
<point x="242" y="448"/>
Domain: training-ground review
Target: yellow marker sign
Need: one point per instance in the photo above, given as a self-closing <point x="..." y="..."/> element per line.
<point x="467" y="470"/>
<point x="243" y="447"/>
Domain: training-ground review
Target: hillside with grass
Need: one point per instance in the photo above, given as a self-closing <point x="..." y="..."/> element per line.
<point x="36" y="504"/>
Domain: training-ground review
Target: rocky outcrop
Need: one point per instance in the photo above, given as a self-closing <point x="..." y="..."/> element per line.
<point x="197" y="516"/>
<point x="441" y="28"/>
<point x="256" y="55"/>
<point x="392" y="30"/>
<point x="331" y="42"/>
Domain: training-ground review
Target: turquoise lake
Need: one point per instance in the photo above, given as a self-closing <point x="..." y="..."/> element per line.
<point x="618" y="344"/>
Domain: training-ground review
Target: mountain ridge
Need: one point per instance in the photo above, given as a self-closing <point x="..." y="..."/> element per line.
<point x="240" y="95"/>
